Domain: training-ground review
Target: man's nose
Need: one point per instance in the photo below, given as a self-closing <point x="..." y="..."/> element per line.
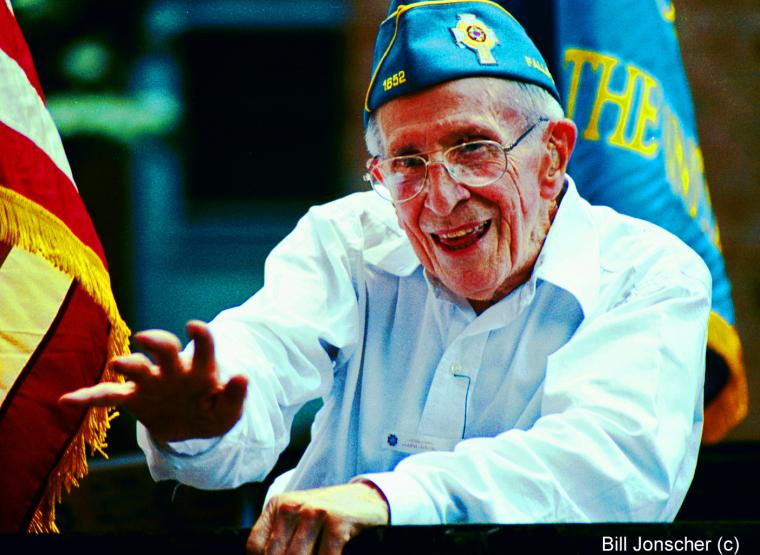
<point x="443" y="192"/>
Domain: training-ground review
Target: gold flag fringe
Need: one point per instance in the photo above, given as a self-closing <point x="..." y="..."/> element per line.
<point x="27" y="225"/>
<point x="731" y="405"/>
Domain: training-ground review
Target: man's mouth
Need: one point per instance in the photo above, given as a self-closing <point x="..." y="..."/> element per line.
<point x="463" y="237"/>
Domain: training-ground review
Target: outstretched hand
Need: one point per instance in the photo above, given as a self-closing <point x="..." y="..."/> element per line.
<point x="175" y="399"/>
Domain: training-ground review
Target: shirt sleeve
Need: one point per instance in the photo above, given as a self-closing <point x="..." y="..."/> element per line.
<point x="285" y="339"/>
<point x="619" y="429"/>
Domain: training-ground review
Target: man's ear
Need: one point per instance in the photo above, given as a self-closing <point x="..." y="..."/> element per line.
<point x="559" y="147"/>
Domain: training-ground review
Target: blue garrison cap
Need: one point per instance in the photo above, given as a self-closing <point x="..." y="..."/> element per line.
<point x="422" y="44"/>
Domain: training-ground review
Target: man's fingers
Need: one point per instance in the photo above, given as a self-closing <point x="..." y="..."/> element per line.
<point x="306" y="536"/>
<point x="225" y="407"/>
<point x="257" y="539"/>
<point x="136" y="366"/>
<point x="320" y="521"/>
<point x="104" y="394"/>
<point x="203" y="352"/>
<point x="235" y="390"/>
<point x="335" y="536"/>
<point x="285" y="521"/>
<point x="164" y="347"/>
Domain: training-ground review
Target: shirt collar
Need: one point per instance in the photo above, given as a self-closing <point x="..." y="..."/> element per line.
<point x="386" y="244"/>
<point x="569" y="258"/>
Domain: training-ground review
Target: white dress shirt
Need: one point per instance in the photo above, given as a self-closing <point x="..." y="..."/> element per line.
<point x="576" y="398"/>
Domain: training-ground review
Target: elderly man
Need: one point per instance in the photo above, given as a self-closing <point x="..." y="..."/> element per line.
<point x="489" y="347"/>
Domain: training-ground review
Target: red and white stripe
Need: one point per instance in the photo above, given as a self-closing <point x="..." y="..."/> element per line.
<point x="53" y="335"/>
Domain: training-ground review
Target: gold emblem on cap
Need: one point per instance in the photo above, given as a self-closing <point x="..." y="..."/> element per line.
<point x="473" y="33"/>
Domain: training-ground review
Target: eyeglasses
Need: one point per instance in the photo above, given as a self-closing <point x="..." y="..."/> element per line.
<point x="474" y="164"/>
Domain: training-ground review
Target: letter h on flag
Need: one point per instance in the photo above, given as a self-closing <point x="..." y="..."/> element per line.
<point x="59" y="323"/>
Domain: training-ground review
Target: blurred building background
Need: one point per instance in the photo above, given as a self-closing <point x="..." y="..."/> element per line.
<point x="199" y="131"/>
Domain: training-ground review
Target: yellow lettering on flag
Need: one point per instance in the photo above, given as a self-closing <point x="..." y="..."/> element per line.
<point x="644" y="117"/>
<point x="639" y="114"/>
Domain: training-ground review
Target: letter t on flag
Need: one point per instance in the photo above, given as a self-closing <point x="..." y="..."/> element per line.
<point x="59" y="323"/>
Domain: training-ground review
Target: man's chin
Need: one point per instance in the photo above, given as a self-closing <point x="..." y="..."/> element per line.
<point x="471" y="292"/>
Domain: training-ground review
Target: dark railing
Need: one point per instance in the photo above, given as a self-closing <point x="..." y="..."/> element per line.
<point x="119" y="510"/>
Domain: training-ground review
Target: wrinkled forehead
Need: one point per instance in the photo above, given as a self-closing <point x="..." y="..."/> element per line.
<point x="475" y="107"/>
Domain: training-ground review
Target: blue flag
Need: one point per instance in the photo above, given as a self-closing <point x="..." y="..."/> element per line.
<point x="619" y="71"/>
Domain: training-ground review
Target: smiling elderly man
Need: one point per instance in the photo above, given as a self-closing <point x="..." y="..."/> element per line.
<point x="489" y="347"/>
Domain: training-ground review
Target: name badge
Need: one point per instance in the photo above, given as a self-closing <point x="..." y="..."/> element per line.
<point x="416" y="443"/>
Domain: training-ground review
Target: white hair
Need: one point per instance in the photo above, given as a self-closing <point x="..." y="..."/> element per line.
<point x="530" y="101"/>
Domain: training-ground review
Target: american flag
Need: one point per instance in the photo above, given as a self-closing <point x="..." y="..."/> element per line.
<point x="59" y="323"/>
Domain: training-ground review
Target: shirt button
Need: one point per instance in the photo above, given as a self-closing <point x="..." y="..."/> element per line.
<point x="455" y="368"/>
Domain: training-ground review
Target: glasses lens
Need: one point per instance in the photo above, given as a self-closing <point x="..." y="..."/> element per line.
<point x="403" y="176"/>
<point x="381" y="190"/>
<point x="476" y="163"/>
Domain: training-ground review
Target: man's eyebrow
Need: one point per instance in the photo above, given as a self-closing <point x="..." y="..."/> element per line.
<point x="456" y="135"/>
<point x="470" y="132"/>
<point x="404" y="150"/>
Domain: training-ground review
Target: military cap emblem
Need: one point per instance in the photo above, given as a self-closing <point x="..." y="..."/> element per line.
<point x="472" y="33"/>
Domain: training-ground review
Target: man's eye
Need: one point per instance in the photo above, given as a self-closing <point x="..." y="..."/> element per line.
<point x="408" y="163"/>
<point x="475" y="152"/>
<point x="468" y="148"/>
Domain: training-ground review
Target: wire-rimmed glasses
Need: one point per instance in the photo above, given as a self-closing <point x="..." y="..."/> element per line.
<point x="473" y="164"/>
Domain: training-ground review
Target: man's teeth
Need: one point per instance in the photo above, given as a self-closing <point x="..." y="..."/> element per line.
<point x="462" y="232"/>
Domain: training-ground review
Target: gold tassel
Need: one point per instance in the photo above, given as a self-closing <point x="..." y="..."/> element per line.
<point x="731" y="405"/>
<point x="26" y="225"/>
<point x="73" y="465"/>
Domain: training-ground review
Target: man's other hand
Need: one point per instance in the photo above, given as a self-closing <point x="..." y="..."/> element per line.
<point x="174" y="398"/>
<point x="318" y="521"/>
